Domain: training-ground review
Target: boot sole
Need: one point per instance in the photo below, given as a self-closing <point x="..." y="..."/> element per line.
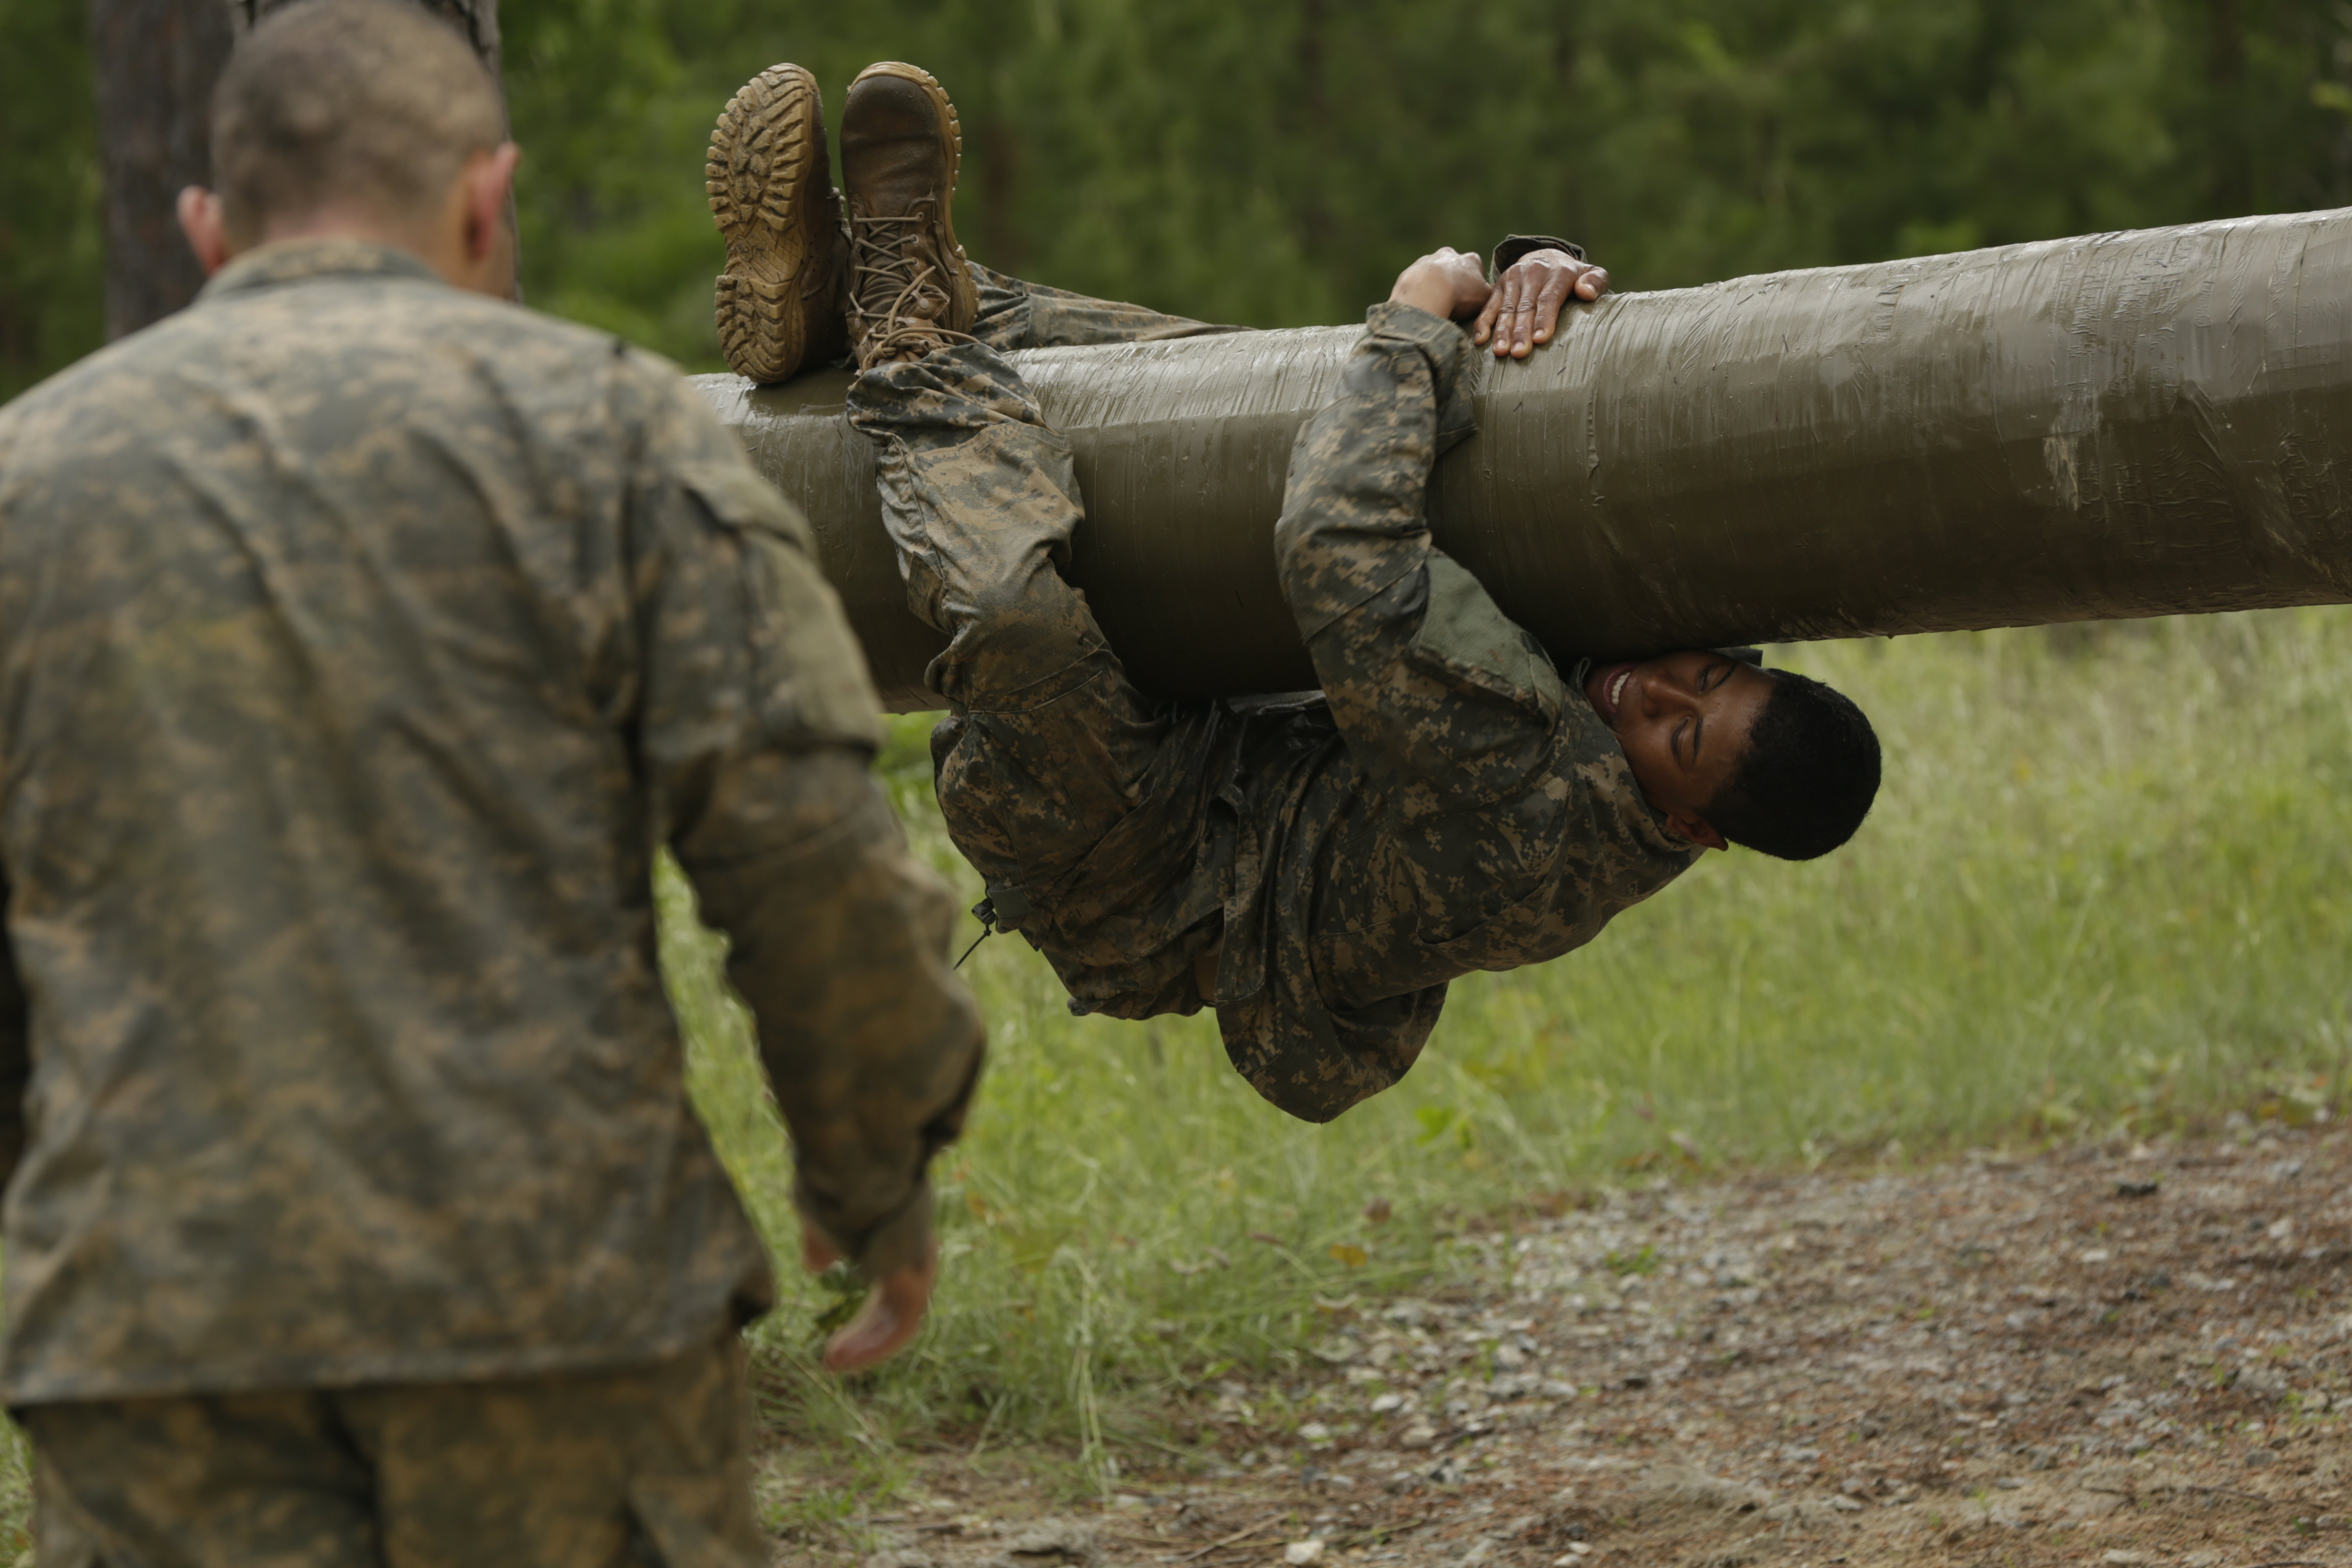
<point x="962" y="292"/>
<point x="770" y="183"/>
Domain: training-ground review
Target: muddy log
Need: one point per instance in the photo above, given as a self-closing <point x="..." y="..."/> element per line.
<point x="2123" y="425"/>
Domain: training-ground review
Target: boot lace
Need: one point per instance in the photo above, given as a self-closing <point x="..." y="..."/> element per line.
<point x="899" y="293"/>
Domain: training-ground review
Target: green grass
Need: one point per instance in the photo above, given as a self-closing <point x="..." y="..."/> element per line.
<point x="2106" y="892"/>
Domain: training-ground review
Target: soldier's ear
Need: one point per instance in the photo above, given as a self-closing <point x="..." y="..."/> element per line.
<point x="486" y="263"/>
<point x="490" y="180"/>
<point x="1697" y="830"/>
<point x="207" y="232"/>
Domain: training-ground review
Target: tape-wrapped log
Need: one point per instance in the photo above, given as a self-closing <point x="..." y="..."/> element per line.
<point x="2122" y="425"/>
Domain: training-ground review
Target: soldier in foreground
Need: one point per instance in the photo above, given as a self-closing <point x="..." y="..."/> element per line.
<point x="1317" y="869"/>
<point x="362" y="639"/>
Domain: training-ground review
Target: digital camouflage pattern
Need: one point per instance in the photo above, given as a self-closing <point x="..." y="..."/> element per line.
<point x="361" y="642"/>
<point x="643" y="1466"/>
<point x="1447" y="803"/>
<point x="1480" y="815"/>
<point x="1015" y="314"/>
<point x="1050" y="748"/>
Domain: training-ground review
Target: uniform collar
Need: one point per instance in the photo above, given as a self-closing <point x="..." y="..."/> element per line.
<point x="300" y="260"/>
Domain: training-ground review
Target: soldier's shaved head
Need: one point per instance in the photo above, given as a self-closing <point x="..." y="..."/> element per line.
<point x="371" y="104"/>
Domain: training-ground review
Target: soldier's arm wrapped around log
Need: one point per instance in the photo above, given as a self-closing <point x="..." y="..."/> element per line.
<point x="758" y="724"/>
<point x="1428" y="680"/>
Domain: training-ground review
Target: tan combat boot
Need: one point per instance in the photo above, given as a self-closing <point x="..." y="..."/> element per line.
<point x="781" y="299"/>
<point x="910" y="289"/>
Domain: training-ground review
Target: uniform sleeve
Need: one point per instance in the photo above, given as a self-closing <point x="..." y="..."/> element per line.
<point x="758" y="723"/>
<point x="15" y="1051"/>
<point x="1430" y="682"/>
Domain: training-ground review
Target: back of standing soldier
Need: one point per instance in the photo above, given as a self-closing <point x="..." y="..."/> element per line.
<point x="363" y="637"/>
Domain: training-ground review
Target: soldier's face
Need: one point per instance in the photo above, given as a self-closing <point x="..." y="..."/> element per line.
<point x="1683" y="722"/>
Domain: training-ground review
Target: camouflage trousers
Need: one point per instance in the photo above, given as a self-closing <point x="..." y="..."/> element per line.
<point x="1075" y="795"/>
<point x="648" y="1467"/>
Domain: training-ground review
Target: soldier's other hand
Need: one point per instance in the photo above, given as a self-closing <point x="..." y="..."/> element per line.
<point x="1524" y="309"/>
<point x="893" y="1312"/>
<point x="1445" y="282"/>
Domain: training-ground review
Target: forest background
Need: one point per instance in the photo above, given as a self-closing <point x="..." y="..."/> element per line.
<point x="2108" y="886"/>
<point x="1275" y="163"/>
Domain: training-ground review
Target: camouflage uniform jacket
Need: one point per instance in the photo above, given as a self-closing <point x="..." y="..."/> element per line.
<point x="361" y="642"/>
<point x="1451" y="804"/>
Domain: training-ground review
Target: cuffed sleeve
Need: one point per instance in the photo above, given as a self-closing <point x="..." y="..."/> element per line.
<point x="1518" y="246"/>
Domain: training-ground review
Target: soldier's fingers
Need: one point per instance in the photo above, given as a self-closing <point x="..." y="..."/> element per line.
<point x="875" y="1334"/>
<point x="1593" y="284"/>
<point x="817" y="1254"/>
<point x="1548" y="303"/>
<point x="1506" y="305"/>
<point x="890" y="1319"/>
<point x="1469" y="279"/>
<point x="1483" y="326"/>
<point x="1523" y="318"/>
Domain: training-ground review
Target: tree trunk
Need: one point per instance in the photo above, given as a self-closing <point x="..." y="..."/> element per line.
<point x="2127" y="425"/>
<point x="2225" y="77"/>
<point x="157" y="61"/>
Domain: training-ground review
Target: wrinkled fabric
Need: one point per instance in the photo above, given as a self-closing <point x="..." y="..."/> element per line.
<point x="1087" y="807"/>
<point x="645" y="1468"/>
<point x="1485" y="817"/>
<point x="361" y="642"/>
<point x="1446" y="804"/>
<point x="1017" y="315"/>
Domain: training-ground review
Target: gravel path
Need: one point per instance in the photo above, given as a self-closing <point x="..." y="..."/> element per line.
<point x="2084" y="1357"/>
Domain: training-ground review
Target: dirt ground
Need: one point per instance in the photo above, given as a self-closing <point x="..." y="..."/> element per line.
<point x="2091" y="1356"/>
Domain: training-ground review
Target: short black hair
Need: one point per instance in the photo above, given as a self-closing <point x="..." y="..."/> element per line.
<point x="1809" y="777"/>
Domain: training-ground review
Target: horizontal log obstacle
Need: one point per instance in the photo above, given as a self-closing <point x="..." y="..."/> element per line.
<point x="2116" y="425"/>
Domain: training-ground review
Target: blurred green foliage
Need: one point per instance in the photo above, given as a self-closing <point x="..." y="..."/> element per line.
<point x="52" y="293"/>
<point x="1276" y="163"/>
<point x="2105" y="896"/>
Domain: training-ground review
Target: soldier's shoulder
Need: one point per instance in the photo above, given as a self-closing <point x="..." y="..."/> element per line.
<point x="107" y="382"/>
<point x="355" y="338"/>
<point x="634" y="381"/>
<point x="501" y="330"/>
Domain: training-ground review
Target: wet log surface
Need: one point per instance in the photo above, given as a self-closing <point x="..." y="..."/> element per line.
<point x="2110" y="426"/>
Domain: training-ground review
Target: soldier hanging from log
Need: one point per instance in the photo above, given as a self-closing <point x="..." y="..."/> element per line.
<point x="1317" y="868"/>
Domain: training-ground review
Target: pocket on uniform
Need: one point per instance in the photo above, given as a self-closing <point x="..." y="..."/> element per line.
<point x="1467" y="711"/>
<point x="737" y="496"/>
<point x="1488" y="935"/>
<point x="811" y="682"/>
<point x="1466" y="637"/>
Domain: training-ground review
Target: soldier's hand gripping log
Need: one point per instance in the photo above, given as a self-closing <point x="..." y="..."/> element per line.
<point x="2122" y="425"/>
